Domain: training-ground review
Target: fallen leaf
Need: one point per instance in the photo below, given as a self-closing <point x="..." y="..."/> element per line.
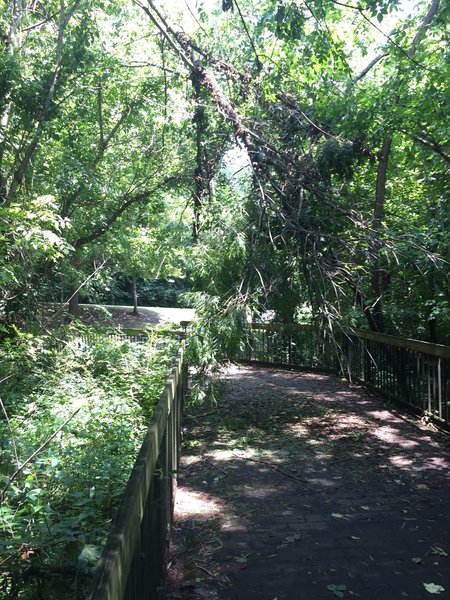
<point x="433" y="588"/>
<point x="365" y="507"/>
<point x="339" y="516"/>
<point x="417" y="560"/>
<point x="338" y="589"/>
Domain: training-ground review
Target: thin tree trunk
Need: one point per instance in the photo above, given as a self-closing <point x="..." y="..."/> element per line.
<point x="19" y="173"/>
<point x="200" y="176"/>
<point x="6" y="114"/>
<point x="74" y="289"/>
<point x="74" y="306"/>
<point x="135" y="295"/>
<point x="379" y="279"/>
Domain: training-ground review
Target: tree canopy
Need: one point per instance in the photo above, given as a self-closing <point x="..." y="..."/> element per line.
<point x="283" y="155"/>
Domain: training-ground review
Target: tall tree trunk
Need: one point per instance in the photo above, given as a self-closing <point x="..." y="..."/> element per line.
<point x="378" y="274"/>
<point x="135" y="296"/>
<point x="18" y="175"/>
<point x="379" y="278"/>
<point x="6" y="112"/>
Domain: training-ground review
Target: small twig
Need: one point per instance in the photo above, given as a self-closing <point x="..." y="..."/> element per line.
<point x="263" y="462"/>
<point x="211" y="575"/>
<point x="208" y="414"/>
<point x="215" y="466"/>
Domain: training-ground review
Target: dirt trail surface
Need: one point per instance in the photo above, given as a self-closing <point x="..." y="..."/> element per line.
<point x="300" y="487"/>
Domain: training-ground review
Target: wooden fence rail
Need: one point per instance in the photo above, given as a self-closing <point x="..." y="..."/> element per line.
<point x="407" y="371"/>
<point x="133" y="561"/>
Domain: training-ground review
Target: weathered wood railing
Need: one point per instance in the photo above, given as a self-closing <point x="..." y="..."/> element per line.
<point x="411" y="372"/>
<point x="133" y="561"/>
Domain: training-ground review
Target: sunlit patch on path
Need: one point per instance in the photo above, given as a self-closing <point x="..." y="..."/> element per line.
<point x="299" y="486"/>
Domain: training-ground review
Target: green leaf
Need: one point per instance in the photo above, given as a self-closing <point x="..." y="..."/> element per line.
<point x="338" y="589"/>
<point x="89" y="556"/>
<point x="438" y="551"/>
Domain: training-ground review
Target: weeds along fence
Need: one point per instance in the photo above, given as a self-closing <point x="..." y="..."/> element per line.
<point x="133" y="561"/>
<point x="410" y="372"/>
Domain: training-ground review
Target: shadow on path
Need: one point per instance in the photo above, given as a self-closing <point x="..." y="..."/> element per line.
<point x="299" y="486"/>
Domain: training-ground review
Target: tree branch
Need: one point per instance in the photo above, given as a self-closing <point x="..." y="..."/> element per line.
<point x="135" y="199"/>
<point x="434" y="146"/>
<point x="19" y="173"/>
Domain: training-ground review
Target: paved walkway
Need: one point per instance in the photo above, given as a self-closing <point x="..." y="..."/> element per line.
<point x="301" y="487"/>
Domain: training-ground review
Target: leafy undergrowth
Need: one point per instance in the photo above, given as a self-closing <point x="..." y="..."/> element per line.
<point x="73" y="418"/>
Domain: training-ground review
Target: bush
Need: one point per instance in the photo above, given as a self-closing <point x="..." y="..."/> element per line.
<point x="87" y="406"/>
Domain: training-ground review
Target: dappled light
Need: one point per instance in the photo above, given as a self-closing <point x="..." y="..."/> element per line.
<point x="194" y="504"/>
<point x="320" y="484"/>
<point x="203" y="181"/>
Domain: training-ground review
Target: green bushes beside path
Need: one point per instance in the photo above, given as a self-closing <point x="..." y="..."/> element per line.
<point x="73" y="419"/>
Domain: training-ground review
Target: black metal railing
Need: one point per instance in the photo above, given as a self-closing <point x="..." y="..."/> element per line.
<point x="411" y="372"/>
<point x="288" y="345"/>
<point x="133" y="562"/>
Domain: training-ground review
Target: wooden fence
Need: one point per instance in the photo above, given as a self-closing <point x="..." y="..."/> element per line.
<point x="410" y="372"/>
<point x="133" y="561"/>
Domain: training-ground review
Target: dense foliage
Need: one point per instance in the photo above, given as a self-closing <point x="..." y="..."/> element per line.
<point x="292" y="156"/>
<point x="74" y="417"/>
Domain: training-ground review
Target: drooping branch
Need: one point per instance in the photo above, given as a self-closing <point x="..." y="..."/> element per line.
<point x="281" y="177"/>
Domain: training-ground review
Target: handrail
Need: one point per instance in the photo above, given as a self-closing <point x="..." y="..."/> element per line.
<point x="282" y="326"/>
<point x="149" y="488"/>
<point x="407" y="371"/>
<point x="392" y="340"/>
<point x="402" y="342"/>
